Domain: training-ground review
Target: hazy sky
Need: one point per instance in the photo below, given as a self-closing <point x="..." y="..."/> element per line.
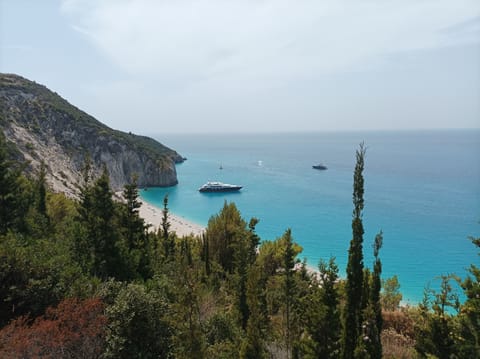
<point x="252" y="65"/>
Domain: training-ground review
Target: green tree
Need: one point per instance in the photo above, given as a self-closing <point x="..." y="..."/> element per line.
<point x="369" y="343"/>
<point x="36" y="218"/>
<point x="470" y="313"/>
<point x="222" y="335"/>
<point x="189" y="340"/>
<point x="133" y="224"/>
<point x="134" y="231"/>
<point x="97" y="214"/>
<point x="354" y="282"/>
<point x="167" y="238"/>
<point x="138" y="325"/>
<point x="42" y="191"/>
<point x="225" y="232"/>
<point x="253" y="346"/>
<point x="289" y="287"/>
<point x="245" y="255"/>
<point x="436" y="336"/>
<point x="34" y="274"/>
<point x="323" y="323"/>
<point x="240" y="278"/>
<point x="254" y="240"/>
<point x="206" y="253"/>
<point x="375" y="300"/>
<point x="11" y="210"/>
<point x="391" y="296"/>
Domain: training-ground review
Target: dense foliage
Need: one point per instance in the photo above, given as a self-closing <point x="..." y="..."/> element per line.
<point x="87" y="278"/>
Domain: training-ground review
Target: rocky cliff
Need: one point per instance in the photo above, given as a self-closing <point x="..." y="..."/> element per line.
<point x="45" y="127"/>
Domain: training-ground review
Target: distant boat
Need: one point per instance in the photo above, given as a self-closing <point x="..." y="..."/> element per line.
<point x="219" y="187"/>
<point x="319" y="167"/>
<point x="221" y="167"/>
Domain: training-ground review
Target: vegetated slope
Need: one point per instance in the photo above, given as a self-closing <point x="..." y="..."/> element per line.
<point x="42" y="126"/>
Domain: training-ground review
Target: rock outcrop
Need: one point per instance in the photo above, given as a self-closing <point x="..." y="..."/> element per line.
<point x="46" y="128"/>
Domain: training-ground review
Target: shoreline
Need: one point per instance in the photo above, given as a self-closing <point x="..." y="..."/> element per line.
<point x="181" y="226"/>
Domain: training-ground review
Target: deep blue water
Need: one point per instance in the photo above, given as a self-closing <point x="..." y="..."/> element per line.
<point x="422" y="189"/>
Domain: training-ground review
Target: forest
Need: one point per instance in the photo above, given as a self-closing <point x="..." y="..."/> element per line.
<point x="86" y="278"/>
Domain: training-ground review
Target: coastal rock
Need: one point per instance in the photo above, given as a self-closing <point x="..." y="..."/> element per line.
<point x="46" y="128"/>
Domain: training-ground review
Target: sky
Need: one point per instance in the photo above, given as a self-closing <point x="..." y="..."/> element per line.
<point x="212" y="66"/>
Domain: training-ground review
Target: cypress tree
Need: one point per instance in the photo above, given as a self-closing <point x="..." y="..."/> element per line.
<point x="289" y="286"/>
<point x="254" y="240"/>
<point x="168" y="242"/>
<point x="369" y="344"/>
<point x="354" y="282"/>
<point x="376" y="286"/>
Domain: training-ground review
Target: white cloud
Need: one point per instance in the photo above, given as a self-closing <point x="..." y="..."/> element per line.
<point x="192" y="39"/>
<point x="216" y="65"/>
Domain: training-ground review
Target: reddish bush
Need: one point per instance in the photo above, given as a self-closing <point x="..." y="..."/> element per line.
<point x="74" y="329"/>
<point x="400" y="321"/>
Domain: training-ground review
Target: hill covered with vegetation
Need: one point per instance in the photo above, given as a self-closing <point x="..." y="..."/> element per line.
<point x="42" y="127"/>
<point x="85" y="278"/>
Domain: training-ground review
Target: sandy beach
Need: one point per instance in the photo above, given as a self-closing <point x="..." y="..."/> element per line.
<point x="153" y="216"/>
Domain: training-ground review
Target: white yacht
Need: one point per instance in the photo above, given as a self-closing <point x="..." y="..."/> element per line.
<point x="219" y="187"/>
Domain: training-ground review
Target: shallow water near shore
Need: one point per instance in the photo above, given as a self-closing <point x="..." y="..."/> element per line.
<point x="422" y="189"/>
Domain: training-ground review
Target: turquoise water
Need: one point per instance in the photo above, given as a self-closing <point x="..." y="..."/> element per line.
<point x="422" y="189"/>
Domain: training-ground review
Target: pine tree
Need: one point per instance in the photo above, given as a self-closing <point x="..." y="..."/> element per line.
<point x="391" y="296"/>
<point x="323" y="317"/>
<point x="242" y="266"/>
<point x="354" y="282"/>
<point x="42" y="191"/>
<point x="190" y="339"/>
<point x="253" y="346"/>
<point x="97" y="214"/>
<point x="206" y="254"/>
<point x="132" y="222"/>
<point x="135" y="231"/>
<point x="226" y="231"/>
<point x="437" y="334"/>
<point x="37" y="220"/>
<point x="245" y="254"/>
<point x="9" y="201"/>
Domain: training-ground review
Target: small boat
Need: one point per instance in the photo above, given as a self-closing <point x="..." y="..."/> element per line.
<point x="219" y="187"/>
<point x="319" y="167"/>
<point x="221" y="167"/>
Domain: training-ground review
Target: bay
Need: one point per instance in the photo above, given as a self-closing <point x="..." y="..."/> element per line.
<point x="422" y="190"/>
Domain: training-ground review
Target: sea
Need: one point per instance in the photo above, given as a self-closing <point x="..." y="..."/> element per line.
<point x="422" y="191"/>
